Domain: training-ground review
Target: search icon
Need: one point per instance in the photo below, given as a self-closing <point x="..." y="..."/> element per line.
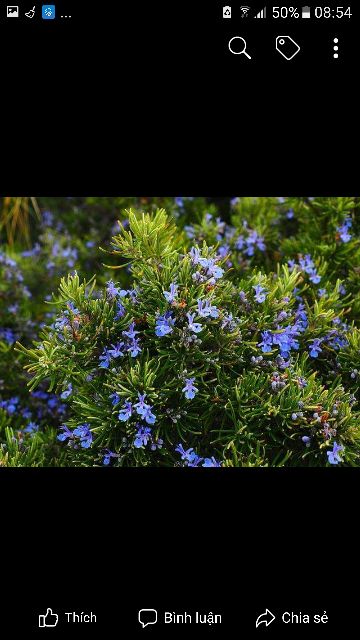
<point x="233" y="46"/>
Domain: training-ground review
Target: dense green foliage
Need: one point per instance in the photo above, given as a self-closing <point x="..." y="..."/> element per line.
<point x="205" y="341"/>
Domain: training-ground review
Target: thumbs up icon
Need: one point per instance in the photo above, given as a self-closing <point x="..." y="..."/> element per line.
<point x="50" y="619"/>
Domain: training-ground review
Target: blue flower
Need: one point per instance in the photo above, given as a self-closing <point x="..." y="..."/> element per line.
<point x="115" y="399"/>
<point x="66" y="434"/>
<point x="108" y="455"/>
<point x="307" y="265"/>
<point x="8" y="335"/>
<point x="134" y="348"/>
<point x="343" y="230"/>
<point x="83" y="432"/>
<point x="105" y="359"/>
<point x="196" y="327"/>
<point x="170" y="296"/>
<point x="126" y="412"/>
<point x="254" y="240"/>
<point x="164" y="325"/>
<point x="141" y="405"/>
<point x="206" y="309"/>
<point x="333" y="456"/>
<point x="290" y="214"/>
<point x="148" y="416"/>
<point x="190" y="389"/>
<point x="120" y="311"/>
<point x="65" y="394"/>
<point x="195" y="255"/>
<point x="130" y="333"/>
<point x="190" y="231"/>
<point x="266" y="343"/>
<point x="211" y="462"/>
<point x="10" y="405"/>
<point x="260" y="293"/>
<point x="116" y="351"/>
<point x="31" y="427"/>
<point x="212" y="269"/>
<point x="189" y="456"/>
<point x="315" y="348"/>
<point x="111" y="289"/>
<point x="142" y="437"/>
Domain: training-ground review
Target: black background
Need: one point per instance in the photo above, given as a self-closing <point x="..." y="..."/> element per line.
<point x="146" y="100"/>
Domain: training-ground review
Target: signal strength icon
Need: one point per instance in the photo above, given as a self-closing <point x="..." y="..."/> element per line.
<point x="261" y="14"/>
<point x="244" y="10"/>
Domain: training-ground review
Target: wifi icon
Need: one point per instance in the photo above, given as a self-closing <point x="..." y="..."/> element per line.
<point x="245" y="11"/>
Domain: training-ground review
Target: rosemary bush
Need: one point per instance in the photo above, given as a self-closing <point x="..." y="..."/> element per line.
<point x="226" y="343"/>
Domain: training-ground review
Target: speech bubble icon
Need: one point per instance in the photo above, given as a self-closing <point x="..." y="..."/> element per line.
<point x="147" y="616"/>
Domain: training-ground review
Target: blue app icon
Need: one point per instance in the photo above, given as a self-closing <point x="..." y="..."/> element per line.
<point x="48" y="12"/>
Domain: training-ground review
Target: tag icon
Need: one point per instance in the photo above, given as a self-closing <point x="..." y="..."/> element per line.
<point x="287" y="47"/>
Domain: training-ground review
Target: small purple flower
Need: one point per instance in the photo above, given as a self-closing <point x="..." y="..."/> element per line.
<point x="260" y="293"/>
<point x="144" y="410"/>
<point x="170" y="296"/>
<point x="111" y="289"/>
<point x="195" y="255"/>
<point x="31" y="427"/>
<point x="141" y="405"/>
<point x="190" y="389"/>
<point x="130" y="333"/>
<point x="196" y="327"/>
<point x="179" y="202"/>
<point x="211" y="462"/>
<point x="142" y="437"/>
<point x="10" y="405"/>
<point x="333" y="456"/>
<point x="290" y="214"/>
<point x="65" y="394"/>
<point x="266" y="343"/>
<point x="134" y="348"/>
<point x="206" y="309"/>
<point x="315" y="348"/>
<point x="115" y="399"/>
<point x="66" y="434"/>
<point x="164" y="325"/>
<point x="343" y="230"/>
<point x="126" y="411"/>
<point x="104" y="359"/>
<point x="108" y="455"/>
<point x="83" y="432"/>
<point x="120" y="311"/>
<point x="189" y="456"/>
<point x="116" y="350"/>
<point x="148" y="416"/>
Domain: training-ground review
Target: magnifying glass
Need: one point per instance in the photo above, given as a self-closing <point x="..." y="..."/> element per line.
<point x="234" y="45"/>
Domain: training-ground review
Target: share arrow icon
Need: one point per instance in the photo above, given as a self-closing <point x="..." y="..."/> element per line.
<point x="266" y="617"/>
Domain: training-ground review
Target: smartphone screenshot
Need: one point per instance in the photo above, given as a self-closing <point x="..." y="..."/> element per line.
<point x="179" y="319"/>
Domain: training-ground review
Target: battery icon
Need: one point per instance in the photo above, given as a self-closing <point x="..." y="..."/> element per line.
<point x="305" y="12"/>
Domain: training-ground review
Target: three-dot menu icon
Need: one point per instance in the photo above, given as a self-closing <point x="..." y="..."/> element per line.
<point x="336" y="48"/>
